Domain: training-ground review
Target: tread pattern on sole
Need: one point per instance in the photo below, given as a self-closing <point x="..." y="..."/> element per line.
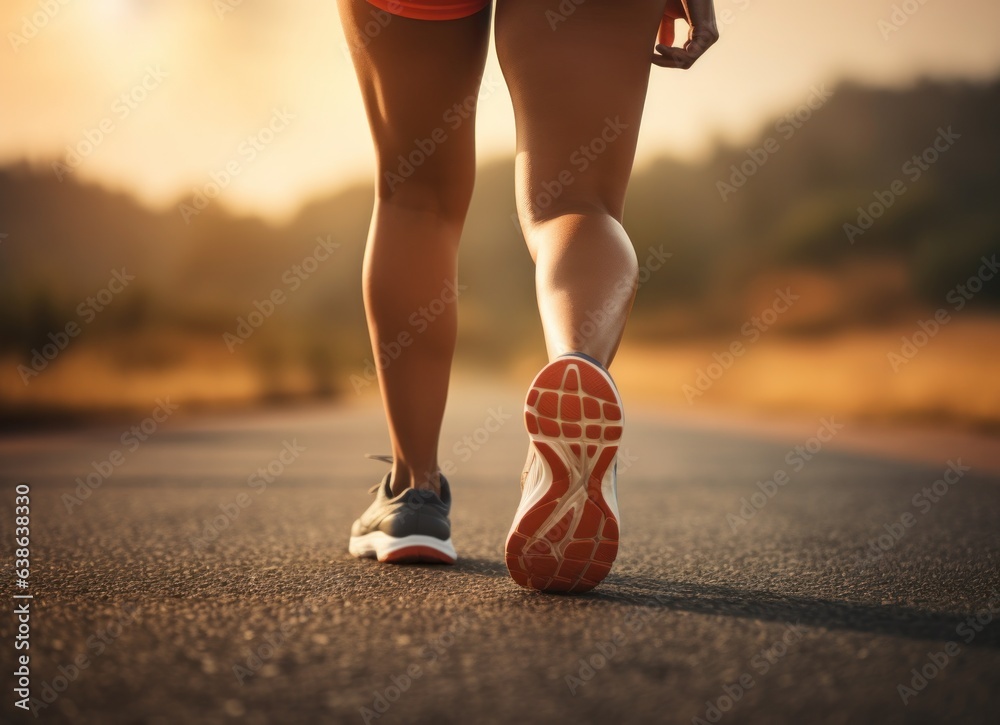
<point x="568" y="539"/>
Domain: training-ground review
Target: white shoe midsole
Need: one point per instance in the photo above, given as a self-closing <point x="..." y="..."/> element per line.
<point x="381" y="544"/>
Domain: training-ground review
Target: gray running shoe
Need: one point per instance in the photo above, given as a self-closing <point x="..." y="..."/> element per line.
<point x="409" y="528"/>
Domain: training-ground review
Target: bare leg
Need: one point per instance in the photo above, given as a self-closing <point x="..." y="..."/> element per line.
<point x="578" y="91"/>
<point x="412" y="74"/>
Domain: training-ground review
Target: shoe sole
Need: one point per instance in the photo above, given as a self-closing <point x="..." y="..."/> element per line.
<point x="413" y="549"/>
<point x="567" y="539"/>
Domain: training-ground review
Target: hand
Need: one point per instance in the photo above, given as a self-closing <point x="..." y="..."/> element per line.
<point x="700" y="15"/>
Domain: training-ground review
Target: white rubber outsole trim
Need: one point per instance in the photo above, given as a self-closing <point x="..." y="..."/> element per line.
<point x="416" y="547"/>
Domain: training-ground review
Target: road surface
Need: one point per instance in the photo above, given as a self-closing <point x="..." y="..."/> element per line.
<point x="207" y="580"/>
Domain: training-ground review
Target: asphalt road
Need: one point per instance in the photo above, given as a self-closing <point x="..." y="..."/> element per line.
<point x="188" y="587"/>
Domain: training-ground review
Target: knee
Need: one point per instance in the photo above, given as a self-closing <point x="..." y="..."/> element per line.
<point x="592" y="226"/>
<point x="537" y="212"/>
<point x="442" y="194"/>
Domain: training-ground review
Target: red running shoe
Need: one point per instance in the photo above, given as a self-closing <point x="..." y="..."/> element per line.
<point x="565" y="533"/>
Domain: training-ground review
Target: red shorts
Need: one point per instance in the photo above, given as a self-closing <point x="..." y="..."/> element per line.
<point x="431" y="9"/>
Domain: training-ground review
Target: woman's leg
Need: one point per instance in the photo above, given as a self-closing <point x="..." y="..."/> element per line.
<point x="413" y="73"/>
<point x="578" y="88"/>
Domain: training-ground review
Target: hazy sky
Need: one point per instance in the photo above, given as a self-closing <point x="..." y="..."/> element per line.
<point x="212" y="79"/>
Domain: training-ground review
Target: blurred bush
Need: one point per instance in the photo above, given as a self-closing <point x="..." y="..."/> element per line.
<point x="783" y="227"/>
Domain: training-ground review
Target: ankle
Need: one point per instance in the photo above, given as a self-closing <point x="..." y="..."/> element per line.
<point x="585" y="356"/>
<point x="404" y="477"/>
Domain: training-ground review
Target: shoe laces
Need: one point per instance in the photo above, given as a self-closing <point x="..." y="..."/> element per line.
<point x="378" y="457"/>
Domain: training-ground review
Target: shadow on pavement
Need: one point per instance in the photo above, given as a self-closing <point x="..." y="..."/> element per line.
<point x="890" y="619"/>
